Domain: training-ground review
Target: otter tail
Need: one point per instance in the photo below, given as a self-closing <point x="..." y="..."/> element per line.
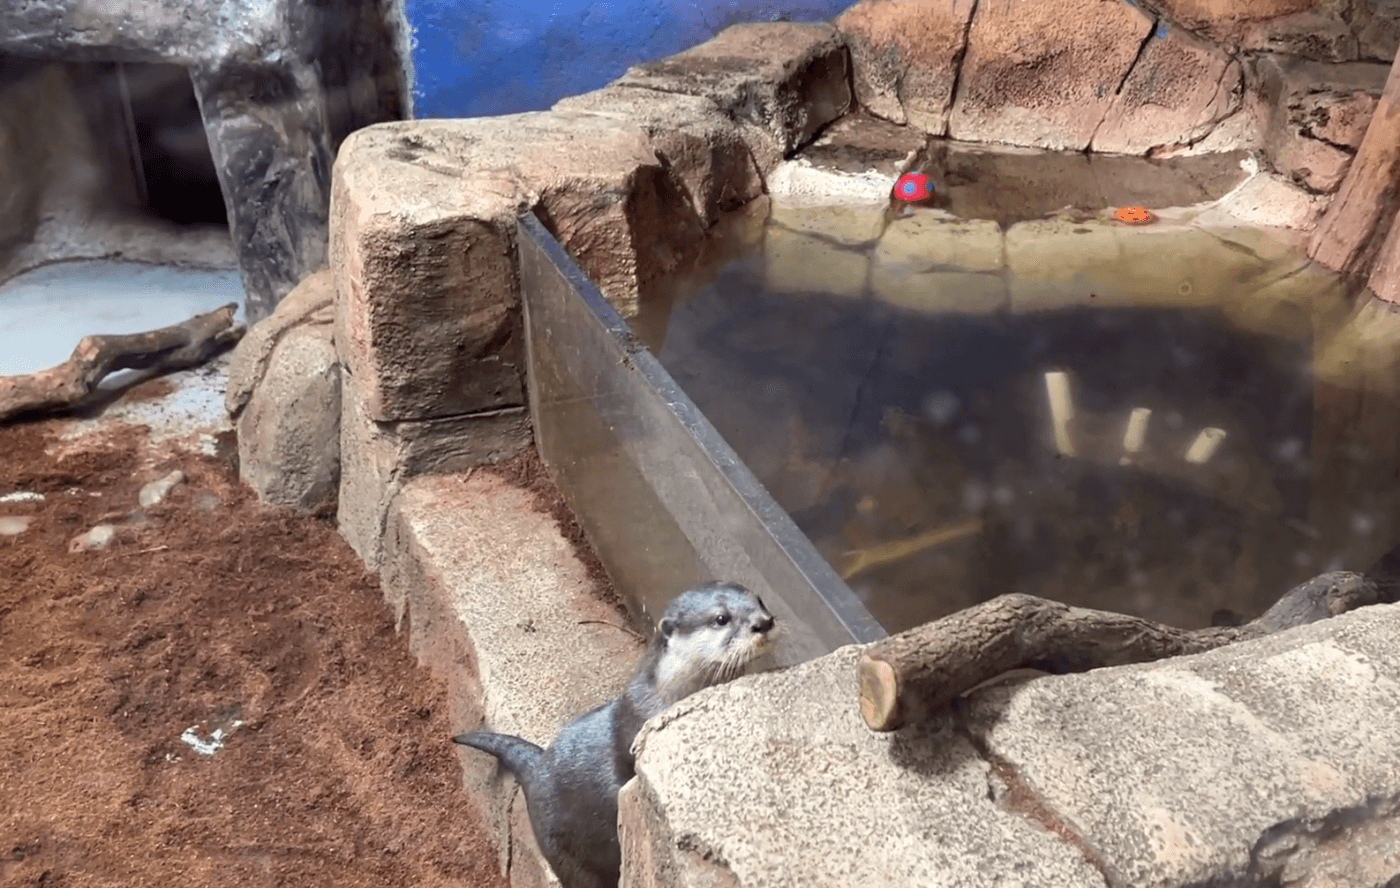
<point x="518" y="756"/>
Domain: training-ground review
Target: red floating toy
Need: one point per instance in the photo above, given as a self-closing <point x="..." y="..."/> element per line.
<point x="1134" y="215"/>
<point x="913" y="187"/>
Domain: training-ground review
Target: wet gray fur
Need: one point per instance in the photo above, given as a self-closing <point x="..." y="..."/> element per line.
<point x="707" y="636"/>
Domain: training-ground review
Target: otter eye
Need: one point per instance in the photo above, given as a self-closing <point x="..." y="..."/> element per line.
<point x="721" y="620"/>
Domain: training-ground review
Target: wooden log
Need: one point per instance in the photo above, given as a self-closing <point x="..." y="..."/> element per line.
<point x="907" y="677"/>
<point x="1351" y="232"/>
<point x="176" y="347"/>
<point x="1385" y="273"/>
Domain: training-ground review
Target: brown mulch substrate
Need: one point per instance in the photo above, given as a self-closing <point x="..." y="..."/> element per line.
<point x="207" y="612"/>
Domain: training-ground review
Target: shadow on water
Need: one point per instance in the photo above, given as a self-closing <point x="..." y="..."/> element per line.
<point x="918" y="449"/>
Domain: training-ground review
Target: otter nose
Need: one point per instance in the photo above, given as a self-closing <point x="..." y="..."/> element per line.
<point x="763" y="625"/>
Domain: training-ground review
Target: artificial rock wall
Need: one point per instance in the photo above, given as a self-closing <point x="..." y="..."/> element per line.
<point x="279" y="85"/>
<point x="1298" y="81"/>
<point x="427" y="319"/>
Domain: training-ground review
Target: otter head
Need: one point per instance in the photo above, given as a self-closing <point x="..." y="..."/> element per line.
<point x="709" y="635"/>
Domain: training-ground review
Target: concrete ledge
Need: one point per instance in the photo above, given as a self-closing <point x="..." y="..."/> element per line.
<point x="774" y="780"/>
<point x="496" y="602"/>
<point x="1269" y="762"/>
<point x="1218" y="768"/>
<point x="377" y="458"/>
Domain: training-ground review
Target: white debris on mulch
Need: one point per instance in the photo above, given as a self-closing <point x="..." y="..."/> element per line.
<point x="99" y="537"/>
<point x="14" y="525"/>
<point x="158" y="489"/>
<point x="215" y="741"/>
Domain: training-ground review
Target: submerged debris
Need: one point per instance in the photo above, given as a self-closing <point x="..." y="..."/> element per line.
<point x="99" y="537"/>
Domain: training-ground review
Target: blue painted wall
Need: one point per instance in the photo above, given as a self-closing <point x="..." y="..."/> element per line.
<point x="474" y="58"/>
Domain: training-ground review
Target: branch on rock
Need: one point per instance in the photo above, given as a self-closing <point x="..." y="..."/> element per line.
<point x="906" y="677"/>
<point x="177" y="347"/>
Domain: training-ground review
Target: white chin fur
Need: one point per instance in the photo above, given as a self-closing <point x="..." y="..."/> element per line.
<point x="706" y="657"/>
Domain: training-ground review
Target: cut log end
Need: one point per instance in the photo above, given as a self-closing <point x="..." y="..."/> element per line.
<point x="879" y="698"/>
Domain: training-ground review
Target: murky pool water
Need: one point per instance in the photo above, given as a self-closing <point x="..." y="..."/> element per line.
<point x="1182" y="440"/>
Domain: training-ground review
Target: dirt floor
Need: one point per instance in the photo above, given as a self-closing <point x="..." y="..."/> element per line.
<point x="207" y="612"/>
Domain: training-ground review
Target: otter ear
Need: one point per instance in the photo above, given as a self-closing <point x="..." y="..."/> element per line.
<point x="668" y="627"/>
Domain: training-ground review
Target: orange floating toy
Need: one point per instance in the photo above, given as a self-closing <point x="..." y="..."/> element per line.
<point x="1134" y="215"/>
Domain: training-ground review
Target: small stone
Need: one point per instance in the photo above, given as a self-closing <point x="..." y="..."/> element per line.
<point x="158" y="489"/>
<point x="14" y="525"/>
<point x="98" y="538"/>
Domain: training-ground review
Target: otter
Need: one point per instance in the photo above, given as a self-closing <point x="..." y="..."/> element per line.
<point x="708" y="635"/>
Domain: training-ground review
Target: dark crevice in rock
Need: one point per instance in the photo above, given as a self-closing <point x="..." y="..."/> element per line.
<point x="959" y="58"/>
<point x="821" y="130"/>
<point x="1282" y="842"/>
<point x="509" y="839"/>
<point x="853" y="103"/>
<point x="1299" y="177"/>
<point x="1233" y="106"/>
<point x="1210" y="126"/>
<point x="898" y="87"/>
<point x="507" y="410"/>
<point x="1142" y="48"/>
<point x="1018" y="797"/>
<point x="1345" y="149"/>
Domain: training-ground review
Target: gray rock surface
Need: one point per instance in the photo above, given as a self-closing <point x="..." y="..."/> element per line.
<point x="378" y="458"/>
<point x="422" y="243"/>
<point x="1269" y="762"/>
<point x="311" y="301"/>
<point x="266" y="125"/>
<point x="1044" y="74"/>
<point x="1178" y="90"/>
<point x="1317" y="115"/>
<point x="774" y="780"/>
<point x="1230" y="767"/>
<point x="284" y="392"/>
<point x="705" y="148"/>
<point x="495" y="597"/>
<point x="906" y="58"/>
<point x="289" y="434"/>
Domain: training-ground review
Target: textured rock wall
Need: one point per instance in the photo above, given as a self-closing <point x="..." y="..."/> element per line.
<point x="428" y="323"/>
<point x="1119" y="77"/>
<point x="1297" y="80"/>
<point x="280" y="83"/>
<point x="56" y="166"/>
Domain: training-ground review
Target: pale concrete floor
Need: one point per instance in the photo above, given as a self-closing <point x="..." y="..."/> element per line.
<point x="45" y="311"/>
